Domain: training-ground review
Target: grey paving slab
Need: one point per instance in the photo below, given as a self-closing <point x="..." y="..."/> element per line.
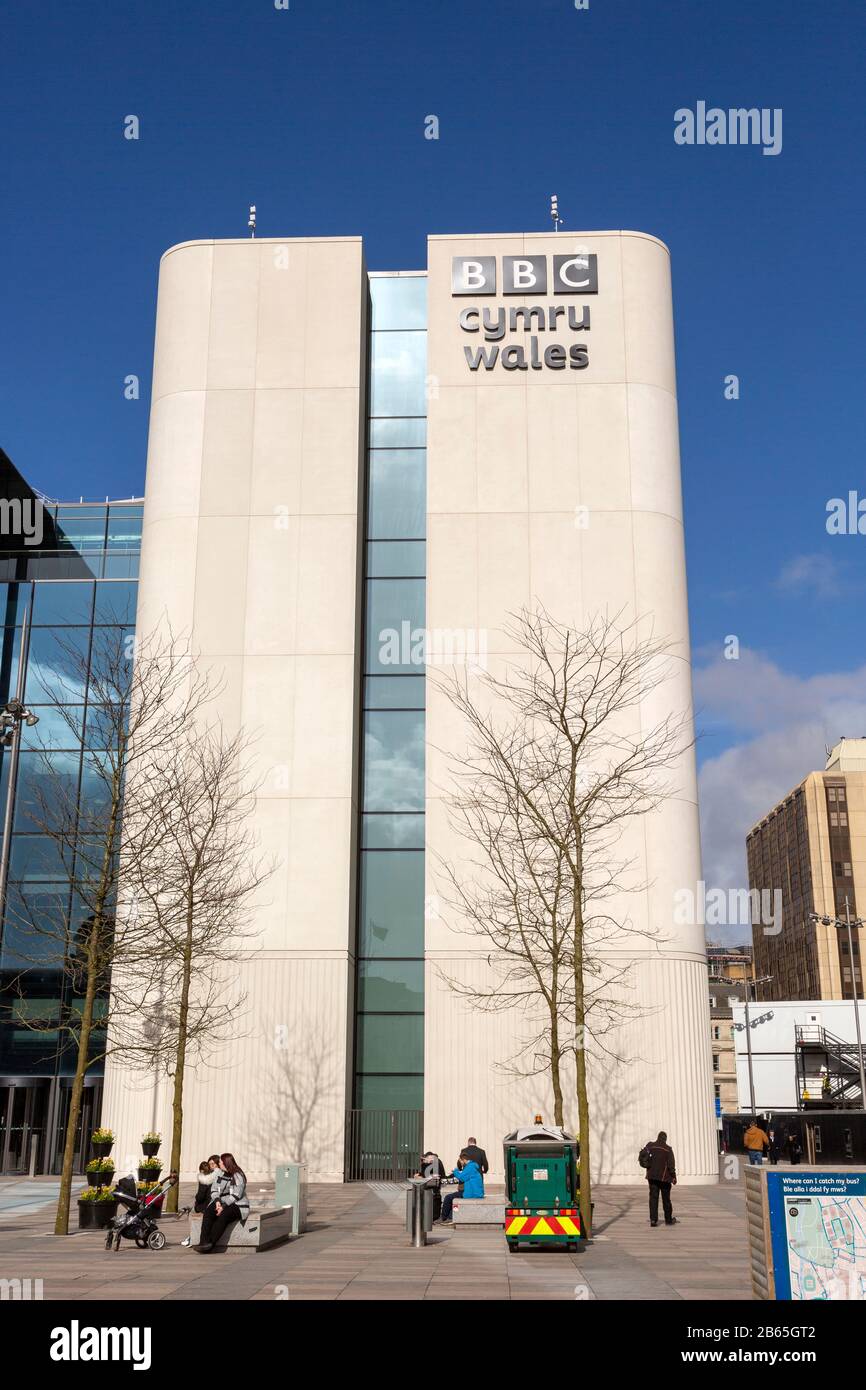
<point x="356" y="1250"/>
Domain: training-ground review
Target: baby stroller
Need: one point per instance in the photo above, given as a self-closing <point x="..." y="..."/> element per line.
<point x="134" y="1219"/>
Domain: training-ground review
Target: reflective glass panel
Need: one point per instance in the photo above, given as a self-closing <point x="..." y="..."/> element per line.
<point x="396" y="559"/>
<point x="397" y="494"/>
<point x="115" y="602"/>
<point x="38" y="858"/>
<point x="392" y="903"/>
<point x="395" y="626"/>
<point x="57" y="665"/>
<point x="394" y="760"/>
<point x="46" y="793"/>
<point x="398" y="301"/>
<point x="124" y="528"/>
<point x="81" y="528"/>
<point x="398" y="433"/>
<point x="400" y="831"/>
<point x="398" y="372"/>
<point x="391" y="1042"/>
<point x="391" y="986"/>
<point x="36" y="925"/>
<point x="55" y="605"/>
<point x="394" y="692"/>
<point x="390" y="1092"/>
<point x="59" y="727"/>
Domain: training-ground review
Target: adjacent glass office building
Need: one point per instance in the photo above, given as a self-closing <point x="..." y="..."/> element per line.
<point x="77" y="586"/>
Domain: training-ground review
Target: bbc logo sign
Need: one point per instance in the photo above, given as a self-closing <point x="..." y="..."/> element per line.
<point x="524" y="275"/>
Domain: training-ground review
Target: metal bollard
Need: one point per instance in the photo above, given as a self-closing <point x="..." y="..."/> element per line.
<point x="419" y="1210"/>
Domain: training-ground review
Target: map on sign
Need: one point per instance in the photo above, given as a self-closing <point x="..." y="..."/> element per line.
<point x="818" y="1234"/>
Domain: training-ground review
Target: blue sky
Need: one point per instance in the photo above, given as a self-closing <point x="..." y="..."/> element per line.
<point x="316" y="114"/>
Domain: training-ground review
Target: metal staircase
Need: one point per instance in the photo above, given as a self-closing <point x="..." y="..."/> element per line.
<point x="828" y="1070"/>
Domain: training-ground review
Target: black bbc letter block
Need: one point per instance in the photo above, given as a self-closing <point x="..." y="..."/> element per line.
<point x="473" y="275"/>
<point x="524" y="275"/>
<point x="575" y="274"/>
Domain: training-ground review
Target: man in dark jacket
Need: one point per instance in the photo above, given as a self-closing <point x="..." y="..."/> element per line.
<point x="661" y="1173"/>
<point x="477" y="1155"/>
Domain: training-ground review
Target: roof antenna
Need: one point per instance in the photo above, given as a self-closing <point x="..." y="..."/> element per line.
<point x="554" y="212"/>
<point x="251" y="221"/>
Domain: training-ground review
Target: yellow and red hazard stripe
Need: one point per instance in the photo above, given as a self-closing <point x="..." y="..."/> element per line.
<point x="537" y="1227"/>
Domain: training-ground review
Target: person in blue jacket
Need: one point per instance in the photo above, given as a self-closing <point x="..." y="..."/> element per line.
<point x="470" y="1175"/>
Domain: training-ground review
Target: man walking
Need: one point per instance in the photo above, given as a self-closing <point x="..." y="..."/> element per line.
<point x="756" y="1141"/>
<point x="661" y="1174"/>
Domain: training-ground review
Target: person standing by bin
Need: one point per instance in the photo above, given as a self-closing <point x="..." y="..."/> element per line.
<point x="478" y="1155"/>
<point x="661" y="1174"/>
<point x="794" y="1147"/>
<point x="469" y="1174"/>
<point x="433" y="1169"/>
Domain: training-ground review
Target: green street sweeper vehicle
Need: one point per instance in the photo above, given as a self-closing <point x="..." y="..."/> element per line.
<point x="542" y="1186"/>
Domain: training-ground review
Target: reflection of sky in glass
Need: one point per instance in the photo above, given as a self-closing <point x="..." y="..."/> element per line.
<point x="36" y="926"/>
<point x="394" y="761"/>
<point x="392" y="859"/>
<point x="58" y="727"/>
<point x="399" y="371"/>
<point x="398" y="301"/>
<point x="403" y="831"/>
<point x="397" y="494"/>
<point x="391" y="603"/>
<point x="54" y="667"/>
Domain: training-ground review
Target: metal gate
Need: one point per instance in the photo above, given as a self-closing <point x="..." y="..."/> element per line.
<point x="383" y="1145"/>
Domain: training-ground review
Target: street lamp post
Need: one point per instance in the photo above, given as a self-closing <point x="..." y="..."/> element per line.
<point x="13" y="715"/>
<point x="765" y="979"/>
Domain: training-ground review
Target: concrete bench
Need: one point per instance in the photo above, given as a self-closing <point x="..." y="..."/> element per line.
<point x="261" y="1230"/>
<point x="478" y="1211"/>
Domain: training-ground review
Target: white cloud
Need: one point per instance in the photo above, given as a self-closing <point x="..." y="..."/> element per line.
<point x="816" y="574"/>
<point x="782" y="724"/>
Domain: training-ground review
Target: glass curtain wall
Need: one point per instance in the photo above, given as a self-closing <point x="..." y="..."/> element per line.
<point x="389" y="1044"/>
<point x="82" y="583"/>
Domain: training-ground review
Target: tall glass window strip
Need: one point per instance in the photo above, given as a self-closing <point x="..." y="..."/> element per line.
<point x="82" y="581"/>
<point x="389" y="1031"/>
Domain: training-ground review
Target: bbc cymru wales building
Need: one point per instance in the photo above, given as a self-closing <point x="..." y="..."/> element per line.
<point x="352" y="477"/>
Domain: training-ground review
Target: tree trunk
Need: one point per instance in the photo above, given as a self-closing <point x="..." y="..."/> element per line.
<point x="555" y="1076"/>
<point x="179" y="1068"/>
<point x="583" y="1133"/>
<point x="61" y="1220"/>
<point x="580" y="1074"/>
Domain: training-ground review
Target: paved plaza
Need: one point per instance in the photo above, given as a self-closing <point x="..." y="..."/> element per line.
<point x="356" y="1248"/>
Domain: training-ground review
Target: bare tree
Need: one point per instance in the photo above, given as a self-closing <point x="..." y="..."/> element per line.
<point x="560" y="757"/>
<point x="133" y="711"/>
<point x="191" y="896"/>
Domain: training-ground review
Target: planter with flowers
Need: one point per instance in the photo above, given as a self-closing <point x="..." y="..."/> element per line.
<point x="100" y="1172"/>
<point x="96" y="1208"/>
<point x="101" y="1141"/>
<point x="149" y="1170"/>
<point x="150" y="1144"/>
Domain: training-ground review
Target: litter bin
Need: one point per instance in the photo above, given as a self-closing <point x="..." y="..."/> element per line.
<point x="290" y="1190"/>
<point x="419" y="1208"/>
<point x="542" y="1186"/>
